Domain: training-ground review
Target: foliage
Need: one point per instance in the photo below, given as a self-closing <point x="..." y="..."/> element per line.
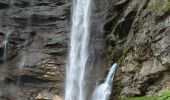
<point x="144" y="98"/>
<point x="120" y="61"/>
<point x="121" y="40"/>
<point x="126" y="48"/>
<point x="166" y="6"/>
<point x="157" y="6"/>
<point x="141" y="98"/>
<point x="111" y="50"/>
<point x="165" y="95"/>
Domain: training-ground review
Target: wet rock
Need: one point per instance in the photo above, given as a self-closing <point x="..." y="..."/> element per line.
<point x="111" y="39"/>
<point x="121" y="2"/>
<point x="37" y="46"/>
<point x="40" y="15"/>
<point x="3" y="4"/>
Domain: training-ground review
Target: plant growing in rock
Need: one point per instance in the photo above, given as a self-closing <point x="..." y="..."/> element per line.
<point x="165" y="95"/>
<point x="111" y="50"/>
<point x="140" y="98"/>
<point x="126" y="48"/>
<point x="155" y="5"/>
<point x="166" y="6"/>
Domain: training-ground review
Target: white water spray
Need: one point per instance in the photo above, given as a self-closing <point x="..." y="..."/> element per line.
<point x="5" y="44"/>
<point x="75" y="76"/>
<point x="103" y="91"/>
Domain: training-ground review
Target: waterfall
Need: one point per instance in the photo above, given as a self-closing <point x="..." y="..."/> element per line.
<point x="5" y="44"/>
<point x="103" y="91"/>
<point x="75" y="72"/>
<point x="8" y="31"/>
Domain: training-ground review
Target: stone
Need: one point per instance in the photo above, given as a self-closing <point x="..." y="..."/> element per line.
<point x="34" y="27"/>
<point x="151" y="67"/>
<point x="3" y="4"/>
<point x="130" y="91"/>
<point x="147" y="63"/>
<point x="56" y="97"/>
<point x="129" y="68"/>
<point x="40" y="97"/>
<point x="47" y="96"/>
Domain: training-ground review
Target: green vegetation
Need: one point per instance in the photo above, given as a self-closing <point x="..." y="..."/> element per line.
<point x="120" y="61"/>
<point x="141" y="98"/>
<point x="126" y="48"/>
<point x="166" y="6"/>
<point x="121" y="40"/>
<point x="111" y="50"/>
<point x="164" y="96"/>
<point x="157" y="6"/>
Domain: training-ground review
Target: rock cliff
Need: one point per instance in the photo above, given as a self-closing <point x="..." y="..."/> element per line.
<point x="138" y="38"/>
<point x="37" y="47"/>
<point x="133" y="33"/>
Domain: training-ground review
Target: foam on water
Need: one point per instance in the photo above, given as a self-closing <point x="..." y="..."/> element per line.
<point x="103" y="91"/>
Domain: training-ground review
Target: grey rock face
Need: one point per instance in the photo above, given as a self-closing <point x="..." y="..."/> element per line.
<point x="37" y="47"/>
<point x="144" y="25"/>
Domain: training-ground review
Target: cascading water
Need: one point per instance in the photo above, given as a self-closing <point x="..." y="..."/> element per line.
<point x="5" y="44"/>
<point x="8" y="31"/>
<point x="103" y="91"/>
<point x="75" y="76"/>
<point x="5" y="53"/>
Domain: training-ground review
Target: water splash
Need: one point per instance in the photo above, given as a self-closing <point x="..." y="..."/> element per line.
<point x="75" y="75"/>
<point x="103" y="91"/>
